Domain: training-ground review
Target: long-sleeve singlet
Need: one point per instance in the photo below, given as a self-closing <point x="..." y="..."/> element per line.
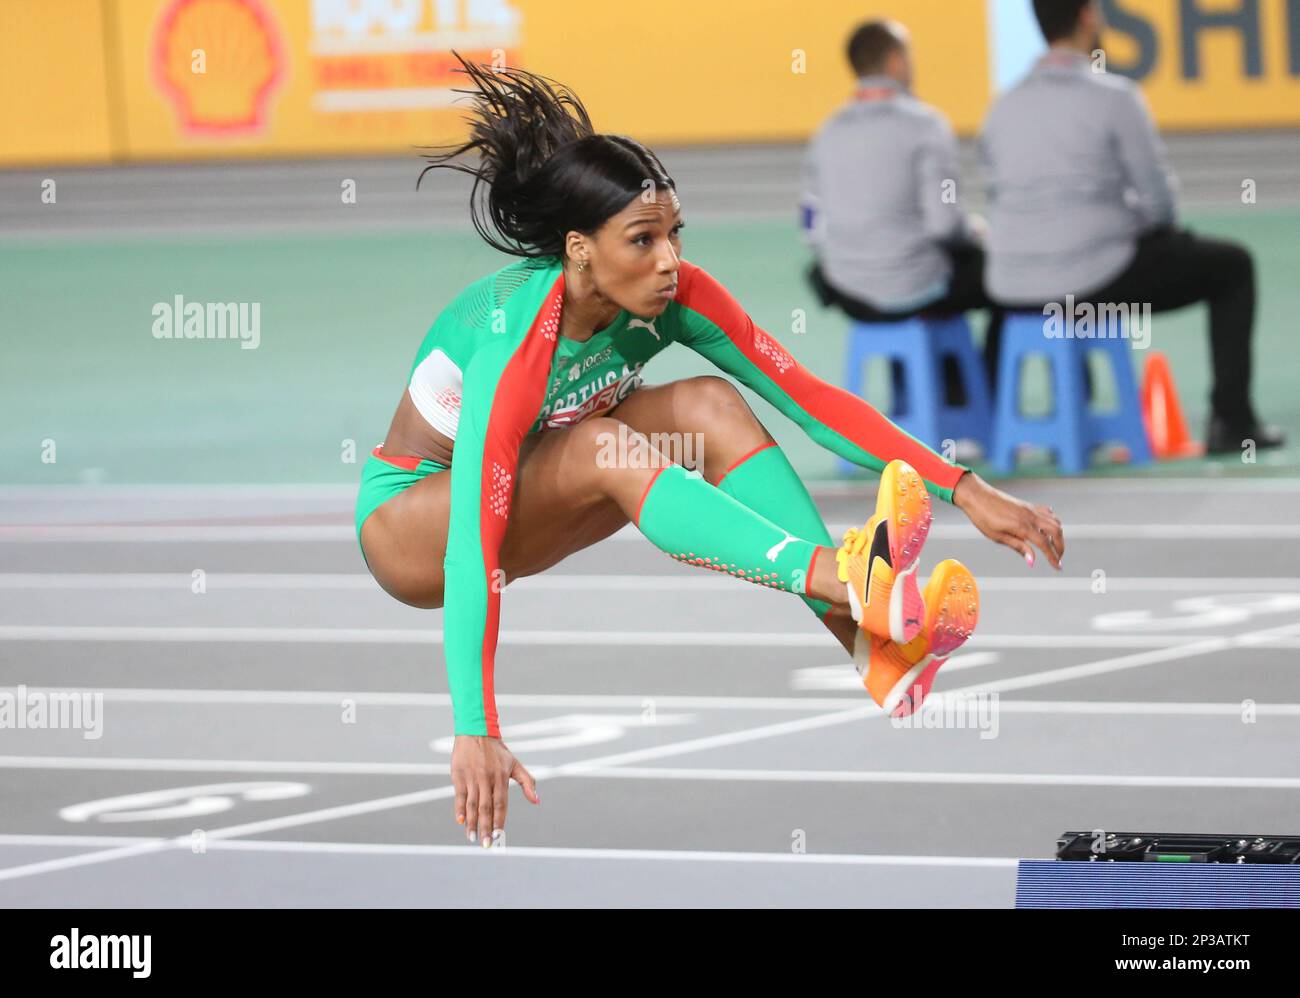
<point x="493" y="369"/>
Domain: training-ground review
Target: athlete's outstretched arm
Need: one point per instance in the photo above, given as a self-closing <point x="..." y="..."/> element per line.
<point x="494" y="417"/>
<point x="473" y="581"/>
<point x="712" y="323"/>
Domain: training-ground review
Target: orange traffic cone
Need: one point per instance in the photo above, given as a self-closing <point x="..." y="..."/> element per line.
<point x="1162" y="413"/>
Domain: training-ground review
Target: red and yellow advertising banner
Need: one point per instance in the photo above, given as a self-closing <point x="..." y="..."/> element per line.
<point x="231" y="77"/>
<point x="226" y="77"/>
<point x="98" y="80"/>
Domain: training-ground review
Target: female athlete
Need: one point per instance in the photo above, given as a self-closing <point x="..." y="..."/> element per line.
<point x="528" y="390"/>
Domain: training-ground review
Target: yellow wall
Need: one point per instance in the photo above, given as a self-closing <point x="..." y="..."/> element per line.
<point x="92" y="80"/>
<point x="54" y="91"/>
<point x="698" y="72"/>
<point x="669" y="72"/>
<point x="1223" y="96"/>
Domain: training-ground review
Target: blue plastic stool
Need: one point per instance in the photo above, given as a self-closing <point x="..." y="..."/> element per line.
<point x="1072" y="429"/>
<point x="919" y="345"/>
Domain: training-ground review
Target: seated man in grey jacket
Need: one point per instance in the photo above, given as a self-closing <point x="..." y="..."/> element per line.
<point x="1083" y="204"/>
<point x="880" y="199"/>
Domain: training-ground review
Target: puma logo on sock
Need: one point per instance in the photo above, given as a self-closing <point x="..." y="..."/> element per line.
<point x="773" y="551"/>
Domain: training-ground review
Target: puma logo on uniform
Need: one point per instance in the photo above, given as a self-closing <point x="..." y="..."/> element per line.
<point x="642" y="324"/>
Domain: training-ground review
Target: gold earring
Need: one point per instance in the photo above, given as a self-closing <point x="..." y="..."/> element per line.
<point x="582" y="266"/>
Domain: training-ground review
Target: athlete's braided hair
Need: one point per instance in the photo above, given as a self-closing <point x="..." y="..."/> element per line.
<point x="542" y="169"/>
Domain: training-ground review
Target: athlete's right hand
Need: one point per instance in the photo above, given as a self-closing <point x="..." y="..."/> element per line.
<point x="481" y="770"/>
<point x="1010" y="521"/>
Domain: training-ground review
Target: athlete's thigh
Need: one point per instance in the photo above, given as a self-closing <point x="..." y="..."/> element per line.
<point x="652" y="408"/>
<point x="709" y="419"/>
<point x="558" y="506"/>
<point x="405" y="541"/>
<point x="557" y="509"/>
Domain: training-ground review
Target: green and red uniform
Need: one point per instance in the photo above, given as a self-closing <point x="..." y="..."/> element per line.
<point x="493" y="369"/>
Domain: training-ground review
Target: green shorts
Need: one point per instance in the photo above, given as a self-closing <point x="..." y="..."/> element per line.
<point x="385" y="475"/>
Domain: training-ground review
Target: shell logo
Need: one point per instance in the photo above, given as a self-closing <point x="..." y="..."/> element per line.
<point x="218" y="61"/>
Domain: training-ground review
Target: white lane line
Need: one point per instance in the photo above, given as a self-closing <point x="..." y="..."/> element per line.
<point x="1108" y="486"/>
<point x="419" y="797"/>
<point x="14" y="839"/>
<point x="122" y="763"/>
<point x="347" y="491"/>
<point x="658" y="855"/>
<point x="408" y="799"/>
<point x="869" y="710"/>
<point x="432" y="636"/>
<point x="1136" y="584"/>
<point x="905" y="776"/>
<point x="211" y="835"/>
<point x="604" y="762"/>
<point x="126" y="764"/>
<point x="188" y="493"/>
<point x="1154" y="708"/>
<point x="872" y="713"/>
<point x="1173" y="653"/>
<point x="86" y="859"/>
<point x="65" y="533"/>
<point x="62" y="534"/>
<point x="406" y="635"/>
<point x="333" y="698"/>
<point x="561" y="582"/>
<point x="1118" y="531"/>
<point x="328" y="814"/>
<point x="618" y="701"/>
<point x="182" y="581"/>
<point x="544" y="852"/>
<point x="1055" y="707"/>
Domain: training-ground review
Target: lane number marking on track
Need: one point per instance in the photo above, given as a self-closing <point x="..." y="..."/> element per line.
<point x="181" y="802"/>
<point x="1226" y="610"/>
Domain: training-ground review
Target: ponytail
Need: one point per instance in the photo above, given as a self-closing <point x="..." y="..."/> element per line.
<point x="542" y="170"/>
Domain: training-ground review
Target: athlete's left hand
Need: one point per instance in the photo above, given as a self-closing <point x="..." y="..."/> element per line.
<point x="1010" y="521"/>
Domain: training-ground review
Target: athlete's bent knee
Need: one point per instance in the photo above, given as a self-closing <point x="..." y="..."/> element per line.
<point x="710" y="401"/>
<point x="713" y="393"/>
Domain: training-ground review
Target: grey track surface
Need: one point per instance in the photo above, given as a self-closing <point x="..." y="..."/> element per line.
<point x="744" y="181"/>
<point x="688" y="730"/>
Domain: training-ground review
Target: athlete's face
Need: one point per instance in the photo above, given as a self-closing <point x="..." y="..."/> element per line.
<point x="637" y="253"/>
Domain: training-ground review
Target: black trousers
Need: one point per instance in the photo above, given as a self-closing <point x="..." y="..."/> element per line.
<point x="1174" y="268"/>
<point x="965" y="291"/>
